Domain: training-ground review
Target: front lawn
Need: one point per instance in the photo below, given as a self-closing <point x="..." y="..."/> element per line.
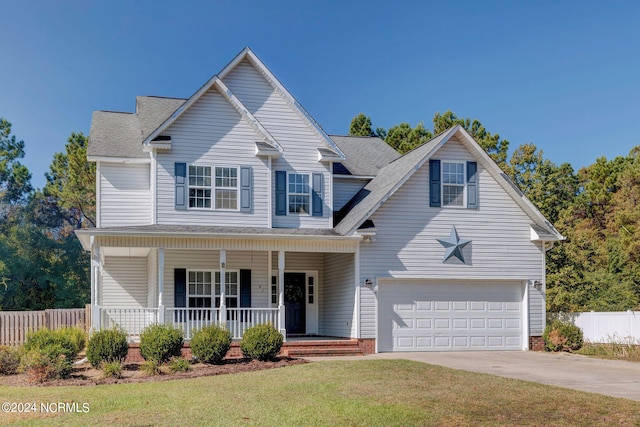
<point x="367" y="392"/>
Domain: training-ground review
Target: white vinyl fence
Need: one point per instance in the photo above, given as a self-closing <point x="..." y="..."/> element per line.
<point x="603" y="327"/>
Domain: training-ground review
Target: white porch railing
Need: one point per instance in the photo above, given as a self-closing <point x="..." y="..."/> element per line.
<point x="241" y="319"/>
<point x="189" y="320"/>
<point x="132" y="320"/>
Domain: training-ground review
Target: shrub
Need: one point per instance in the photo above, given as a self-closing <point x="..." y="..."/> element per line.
<point x="112" y="369"/>
<point x="210" y="344"/>
<point x="261" y="342"/>
<point x="562" y="336"/>
<point x="75" y="335"/>
<point x="151" y="367"/>
<point x="9" y="360"/>
<point x="47" y="363"/>
<point x="45" y="338"/>
<point x="160" y="343"/>
<point x="179" y="364"/>
<point x="107" y="345"/>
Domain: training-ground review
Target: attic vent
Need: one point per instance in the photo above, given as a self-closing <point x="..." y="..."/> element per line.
<point x="162" y="138"/>
<point x="512" y="184"/>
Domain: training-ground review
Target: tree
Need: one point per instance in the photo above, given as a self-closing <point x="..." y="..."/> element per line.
<point x="491" y="143"/>
<point x="403" y="138"/>
<point x="15" y="178"/>
<point x="71" y="182"/>
<point x="361" y="126"/>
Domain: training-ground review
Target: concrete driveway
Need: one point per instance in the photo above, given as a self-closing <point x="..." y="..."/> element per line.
<point x="608" y="377"/>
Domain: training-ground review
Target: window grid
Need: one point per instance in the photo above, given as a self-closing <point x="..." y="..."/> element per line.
<point x="299" y="193"/>
<point x="230" y="288"/>
<point x="199" y="186"/>
<point x="199" y="285"/>
<point x="453" y="182"/>
<point x="226" y="188"/>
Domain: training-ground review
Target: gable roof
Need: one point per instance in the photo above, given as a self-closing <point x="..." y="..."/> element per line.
<point x="396" y="173"/>
<point x="251" y="57"/>
<point x="364" y="155"/>
<point x="217" y="83"/>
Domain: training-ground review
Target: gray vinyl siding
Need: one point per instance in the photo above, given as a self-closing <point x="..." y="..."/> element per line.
<point x="125" y="282"/>
<point x="407" y="229"/>
<point x="125" y="194"/>
<point x="368" y="309"/>
<point x="344" y="189"/>
<point x="338" y="296"/>
<point x="212" y="133"/>
<point x="537" y="310"/>
<point x="290" y="129"/>
<point x="210" y="260"/>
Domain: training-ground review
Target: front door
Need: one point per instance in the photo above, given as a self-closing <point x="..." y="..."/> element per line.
<point x="294" y="303"/>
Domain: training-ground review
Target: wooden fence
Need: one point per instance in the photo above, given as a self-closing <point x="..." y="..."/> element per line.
<point x="14" y="325"/>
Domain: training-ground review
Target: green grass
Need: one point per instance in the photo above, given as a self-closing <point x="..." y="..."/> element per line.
<point x="345" y="393"/>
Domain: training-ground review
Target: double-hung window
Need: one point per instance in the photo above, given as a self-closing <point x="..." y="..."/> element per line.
<point x="199" y="285"/>
<point x="226" y="188"/>
<point x="199" y="186"/>
<point x="230" y="288"/>
<point x="223" y="186"/>
<point x="453" y="184"/>
<point x="299" y="193"/>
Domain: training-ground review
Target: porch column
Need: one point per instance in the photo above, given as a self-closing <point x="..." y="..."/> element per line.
<point x="161" y="285"/>
<point x="356" y="270"/>
<point x="95" y="287"/>
<point x="223" y="271"/>
<point x="281" y="316"/>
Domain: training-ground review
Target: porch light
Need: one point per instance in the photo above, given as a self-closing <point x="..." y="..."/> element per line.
<point x="223" y="265"/>
<point x="537" y="284"/>
<point x="368" y="283"/>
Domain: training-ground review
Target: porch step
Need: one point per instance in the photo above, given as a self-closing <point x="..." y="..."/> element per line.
<point x="321" y="348"/>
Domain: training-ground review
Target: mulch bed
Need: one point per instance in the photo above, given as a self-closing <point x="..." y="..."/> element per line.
<point x="85" y="375"/>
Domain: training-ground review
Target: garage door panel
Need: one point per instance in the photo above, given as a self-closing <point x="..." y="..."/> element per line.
<point x="438" y="317"/>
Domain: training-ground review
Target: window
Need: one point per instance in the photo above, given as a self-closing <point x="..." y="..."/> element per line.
<point x="230" y="288"/>
<point x="199" y="186"/>
<point x="299" y="193"/>
<point x="453" y="182"/>
<point x="199" y="285"/>
<point x="225" y="187"/>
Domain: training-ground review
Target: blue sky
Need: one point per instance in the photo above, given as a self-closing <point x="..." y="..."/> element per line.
<point x="564" y="75"/>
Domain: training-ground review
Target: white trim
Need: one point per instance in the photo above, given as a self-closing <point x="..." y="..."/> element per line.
<point x="98" y="194"/>
<point x="118" y="159"/>
<point x="309" y="194"/>
<point x="463" y="185"/>
<point x="525" y="316"/>
<point x="154" y="187"/>
<point x="356" y="268"/>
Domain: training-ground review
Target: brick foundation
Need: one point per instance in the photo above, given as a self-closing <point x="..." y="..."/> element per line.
<point x="367" y="345"/>
<point x="536" y="344"/>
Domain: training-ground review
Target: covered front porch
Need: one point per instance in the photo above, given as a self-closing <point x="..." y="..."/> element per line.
<point x="303" y="283"/>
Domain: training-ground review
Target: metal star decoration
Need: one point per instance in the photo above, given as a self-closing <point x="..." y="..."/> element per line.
<point x="453" y="245"/>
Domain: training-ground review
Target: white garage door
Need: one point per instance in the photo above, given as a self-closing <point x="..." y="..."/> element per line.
<point x="442" y="317"/>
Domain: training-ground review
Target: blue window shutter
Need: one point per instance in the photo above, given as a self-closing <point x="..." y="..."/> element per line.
<point x="245" y="288"/>
<point x="472" y="185"/>
<point x="180" y="287"/>
<point x="317" y="194"/>
<point x="181" y="185"/>
<point x="281" y="193"/>
<point x="435" y="199"/>
<point x="245" y="189"/>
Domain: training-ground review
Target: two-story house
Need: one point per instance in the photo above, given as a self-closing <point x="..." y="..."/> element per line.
<point x="235" y="207"/>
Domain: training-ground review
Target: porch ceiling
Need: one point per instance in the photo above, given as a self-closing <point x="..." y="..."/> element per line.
<point x="211" y="237"/>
